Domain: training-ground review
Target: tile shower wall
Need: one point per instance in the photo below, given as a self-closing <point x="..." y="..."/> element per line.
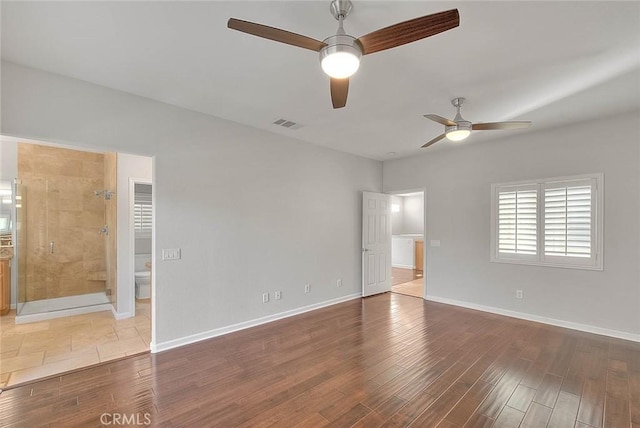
<point x="60" y="206"/>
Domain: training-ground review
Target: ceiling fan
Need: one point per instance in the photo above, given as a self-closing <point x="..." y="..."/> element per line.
<point x="458" y="129"/>
<point x="340" y="54"/>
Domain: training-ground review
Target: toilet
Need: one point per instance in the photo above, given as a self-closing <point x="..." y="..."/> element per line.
<point x="143" y="276"/>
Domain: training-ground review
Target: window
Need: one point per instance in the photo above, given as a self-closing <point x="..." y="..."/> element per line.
<point x="550" y="222"/>
<point x="142" y="216"/>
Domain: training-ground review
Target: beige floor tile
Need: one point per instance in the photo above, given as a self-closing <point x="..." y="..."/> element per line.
<point x="8" y="354"/>
<point x="130" y="346"/>
<point x="35" y="350"/>
<point x="82" y="342"/>
<point x="21" y="362"/>
<point x="4" y="379"/>
<point x="53" y="368"/>
<point x="10" y="343"/>
<point x="25" y="328"/>
<point x="31" y="345"/>
<point x="83" y="326"/>
<point x="84" y="354"/>
<point x="127" y="333"/>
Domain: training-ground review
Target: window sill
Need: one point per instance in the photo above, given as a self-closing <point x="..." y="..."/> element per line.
<point x="599" y="267"/>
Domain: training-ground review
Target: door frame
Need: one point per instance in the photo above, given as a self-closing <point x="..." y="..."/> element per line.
<point x="422" y="190"/>
<point x="132" y="237"/>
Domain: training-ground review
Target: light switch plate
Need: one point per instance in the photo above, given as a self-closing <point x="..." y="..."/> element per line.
<point x="435" y="243"/>
<point x="171" y="254"/>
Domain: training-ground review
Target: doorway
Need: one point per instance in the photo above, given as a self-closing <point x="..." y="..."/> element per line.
<point x="60" y="205"/>
<point x="141" y="209"/>
<point x="407" y="243"/>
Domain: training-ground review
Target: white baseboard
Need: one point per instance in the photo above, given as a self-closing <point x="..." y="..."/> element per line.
<point x="120" y="315"/>
<point x="164" y="346"/>
<point x="544" y="320"/>
<point x="13" y="306"/>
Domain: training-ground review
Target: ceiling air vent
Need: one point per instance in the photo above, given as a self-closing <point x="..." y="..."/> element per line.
<point x="287" y="124"/>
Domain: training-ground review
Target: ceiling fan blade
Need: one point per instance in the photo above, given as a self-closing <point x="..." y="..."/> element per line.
<point x="409" y="31"/>
<point x="339" y="92"/>
<point x="500" y="125"/>
<point x="440" y="119"/>
<point x="276" y="34"/>
<point x="435" y="140"/>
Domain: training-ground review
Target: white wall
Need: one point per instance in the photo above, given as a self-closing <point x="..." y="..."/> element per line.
<point x="396" y="217"/>
<point x="129" y="166"/>
<point x="252" y="211"/>
<point x="413" y="214"/>
<point x="458" y="214"/>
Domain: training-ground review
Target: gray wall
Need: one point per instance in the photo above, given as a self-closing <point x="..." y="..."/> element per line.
<point x="413" y="214"/>
<point x="252" y="211"/>
<point x="458" y="214"/>
<point x="396" y="218"/>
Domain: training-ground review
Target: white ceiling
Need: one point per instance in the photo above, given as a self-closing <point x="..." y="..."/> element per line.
<point x="550" y="62"/>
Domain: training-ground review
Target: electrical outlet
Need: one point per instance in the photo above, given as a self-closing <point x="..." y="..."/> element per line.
<point x="278" y="295"/>
<point x="519" y="294"/>
<point x="339" y="283"/>
<point x="307" y="288"/>
<point x="265" y="297"/>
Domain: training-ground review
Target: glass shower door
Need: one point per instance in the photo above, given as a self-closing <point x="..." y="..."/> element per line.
<point x="61" y="257"/>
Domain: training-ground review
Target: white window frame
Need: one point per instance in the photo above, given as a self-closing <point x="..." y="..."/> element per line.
<point x="595" y="262"/>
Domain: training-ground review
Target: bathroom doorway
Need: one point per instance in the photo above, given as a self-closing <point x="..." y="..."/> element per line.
<point x="64" y="249"/>
<point x="141" y="209"/>
<point x="407" y="243"/>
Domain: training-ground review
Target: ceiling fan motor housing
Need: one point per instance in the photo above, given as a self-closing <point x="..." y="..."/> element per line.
<point x="341" y="43"/>
<point x="461" y="125"/>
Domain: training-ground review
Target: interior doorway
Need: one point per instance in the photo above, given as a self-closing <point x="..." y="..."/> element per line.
<point x="408" y="259"/>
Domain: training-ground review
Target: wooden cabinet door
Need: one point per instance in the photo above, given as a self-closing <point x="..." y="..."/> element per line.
<point x="5" y="287"/>
<point x="419" y="255"/>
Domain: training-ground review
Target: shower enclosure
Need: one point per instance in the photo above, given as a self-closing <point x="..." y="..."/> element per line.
<point x="65" y="245"/>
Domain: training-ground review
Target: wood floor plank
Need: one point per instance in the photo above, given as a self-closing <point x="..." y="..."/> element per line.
<point x="548" y="390"/>
<point x="565" y="411"/>
<point x="591" y="410"/>
<point x="387" y="360"/>
<point x="536" y="416"/>
<point x="616" y="411"/>
<point x="509" y="418"/>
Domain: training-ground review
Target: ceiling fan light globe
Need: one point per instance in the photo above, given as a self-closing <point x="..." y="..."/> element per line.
<point x="458" y="134"/>
<point x="340" y="65"/>
<point x="341" y="57"/>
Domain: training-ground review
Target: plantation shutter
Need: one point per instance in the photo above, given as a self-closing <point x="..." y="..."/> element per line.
<point x="569" y="210"/>
<point x="517" y="217"/>
<point x="142" y="218"/>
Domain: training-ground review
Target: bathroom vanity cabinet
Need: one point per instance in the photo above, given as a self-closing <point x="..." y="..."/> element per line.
<point x="5" y="285"/>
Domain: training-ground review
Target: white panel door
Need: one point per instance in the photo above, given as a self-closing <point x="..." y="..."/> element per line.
<point x="376" y="243"/>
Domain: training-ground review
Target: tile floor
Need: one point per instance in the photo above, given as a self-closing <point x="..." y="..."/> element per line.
<point x="36" y="350"/>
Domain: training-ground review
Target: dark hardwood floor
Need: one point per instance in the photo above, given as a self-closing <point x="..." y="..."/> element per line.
<point x="388" y="360"/>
